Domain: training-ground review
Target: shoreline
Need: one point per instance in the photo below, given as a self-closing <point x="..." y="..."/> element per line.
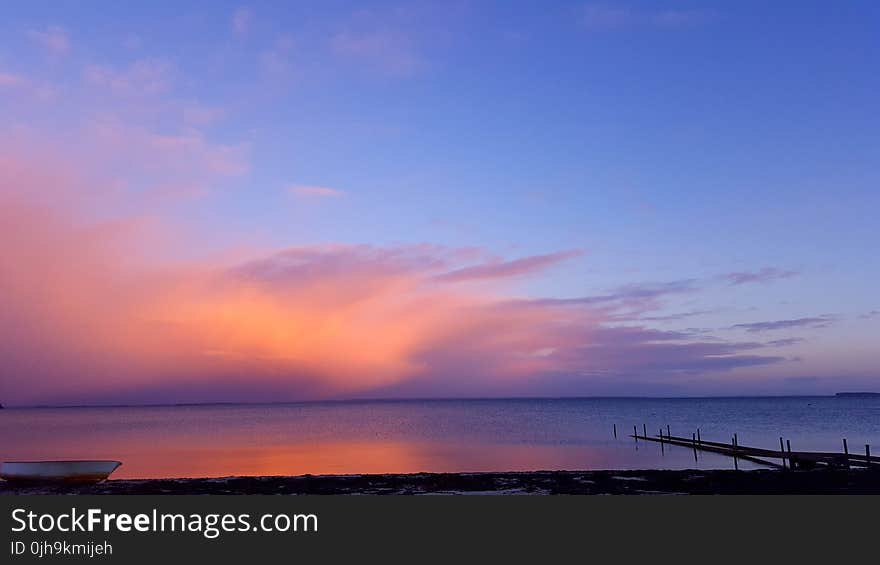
<point x="639" y="482"/>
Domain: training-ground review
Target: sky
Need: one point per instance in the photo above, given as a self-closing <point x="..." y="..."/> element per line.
<point x="296" y="201"/>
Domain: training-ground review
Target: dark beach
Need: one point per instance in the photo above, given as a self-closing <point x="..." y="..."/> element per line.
<point x="822" y="481"/>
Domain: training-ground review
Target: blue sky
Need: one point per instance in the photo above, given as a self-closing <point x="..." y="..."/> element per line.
<point x="669" y="141"/>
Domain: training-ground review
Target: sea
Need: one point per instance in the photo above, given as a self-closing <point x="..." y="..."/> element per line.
<point x="410" y="436"/>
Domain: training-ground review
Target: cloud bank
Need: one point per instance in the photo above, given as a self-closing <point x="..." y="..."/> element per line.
<point x="98" y="310"/>
<point x="107" y="293"/>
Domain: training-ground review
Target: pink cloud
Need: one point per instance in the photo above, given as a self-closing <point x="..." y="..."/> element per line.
<point x="95" y="310"/>
<point x="314" y="191"/>
<point x="9" y="80"/>
<point x="131" y="135"/>
<point x="53" y="39"/>
<point x="198" y="115"/>
<point x="26" y="89"/>
<point x="186" y="157"/>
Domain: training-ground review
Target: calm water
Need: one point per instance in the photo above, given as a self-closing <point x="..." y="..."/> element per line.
<point x="412" y="436"/>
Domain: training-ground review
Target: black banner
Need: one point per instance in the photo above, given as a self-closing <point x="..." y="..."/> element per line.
<point x="236" y="529"/>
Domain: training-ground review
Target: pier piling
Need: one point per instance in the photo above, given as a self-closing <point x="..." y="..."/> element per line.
<point x="782" y="452"/>
<point x="733" y="444"/>
<point x="791" y="464"/>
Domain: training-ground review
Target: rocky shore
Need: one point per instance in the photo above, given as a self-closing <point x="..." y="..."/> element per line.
<point x="823" y="481"/>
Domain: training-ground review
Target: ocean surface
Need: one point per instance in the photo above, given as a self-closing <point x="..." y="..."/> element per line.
<point x="427" y="435"/>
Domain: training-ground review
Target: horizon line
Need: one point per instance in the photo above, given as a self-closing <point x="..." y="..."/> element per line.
<point x="432" y="399"/>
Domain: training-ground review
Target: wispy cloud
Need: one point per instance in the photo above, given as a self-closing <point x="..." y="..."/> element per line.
<point x="131" y="131"/>
<point x="628" y="301"/>
<point x="242" y="19"/>
<point x="20" y="85"/>
<point x="390" y="52"/>
<point x="785" y="342"/>
<point x="195" y="114"/>
<point x="628" y="351"/>
<point x="276" y="62"/>
<point x="647" y="291"/>
<point x="383" y="41"/>
<point x="53" y="39"/>
<point x="870" y="315"/>
<point x="132" y="41"/>
<point x="506" y="269"/>
<point x="311" y="191"/>
<point x="766" y="274"/>
<point x="9" y="80"/>
<point x="142" y="77"/>
<point x="675" y="317"/>
<point x="181" y="155"/>
<point x="812" y="322"/>
<point x="616" y="16"/>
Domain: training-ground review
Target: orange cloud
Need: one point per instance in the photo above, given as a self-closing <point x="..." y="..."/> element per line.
<point x="83" y="311"/>
<point x="96" y="306"/>
<point x="99" y="310"/>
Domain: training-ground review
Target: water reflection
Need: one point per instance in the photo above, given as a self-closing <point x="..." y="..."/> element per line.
<point x="409" y="437"/>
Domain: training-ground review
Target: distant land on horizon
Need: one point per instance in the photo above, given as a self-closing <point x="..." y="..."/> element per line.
<point x="855" y="394"/>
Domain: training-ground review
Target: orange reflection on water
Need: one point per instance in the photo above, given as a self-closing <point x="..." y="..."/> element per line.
<point x="294" y="459"/>
<point x="163" y="459"/>
<point x="342" y="458"/>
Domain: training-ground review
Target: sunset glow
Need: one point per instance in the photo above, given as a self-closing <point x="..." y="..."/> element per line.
<point x="243" y="220"/>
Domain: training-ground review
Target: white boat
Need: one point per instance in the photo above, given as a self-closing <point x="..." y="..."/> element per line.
<point x="57" y="471"/>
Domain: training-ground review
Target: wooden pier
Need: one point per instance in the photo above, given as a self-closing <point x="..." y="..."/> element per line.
<point x="767" y="457"/>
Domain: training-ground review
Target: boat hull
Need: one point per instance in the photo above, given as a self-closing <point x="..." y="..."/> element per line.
<point x="69" y="472"/>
